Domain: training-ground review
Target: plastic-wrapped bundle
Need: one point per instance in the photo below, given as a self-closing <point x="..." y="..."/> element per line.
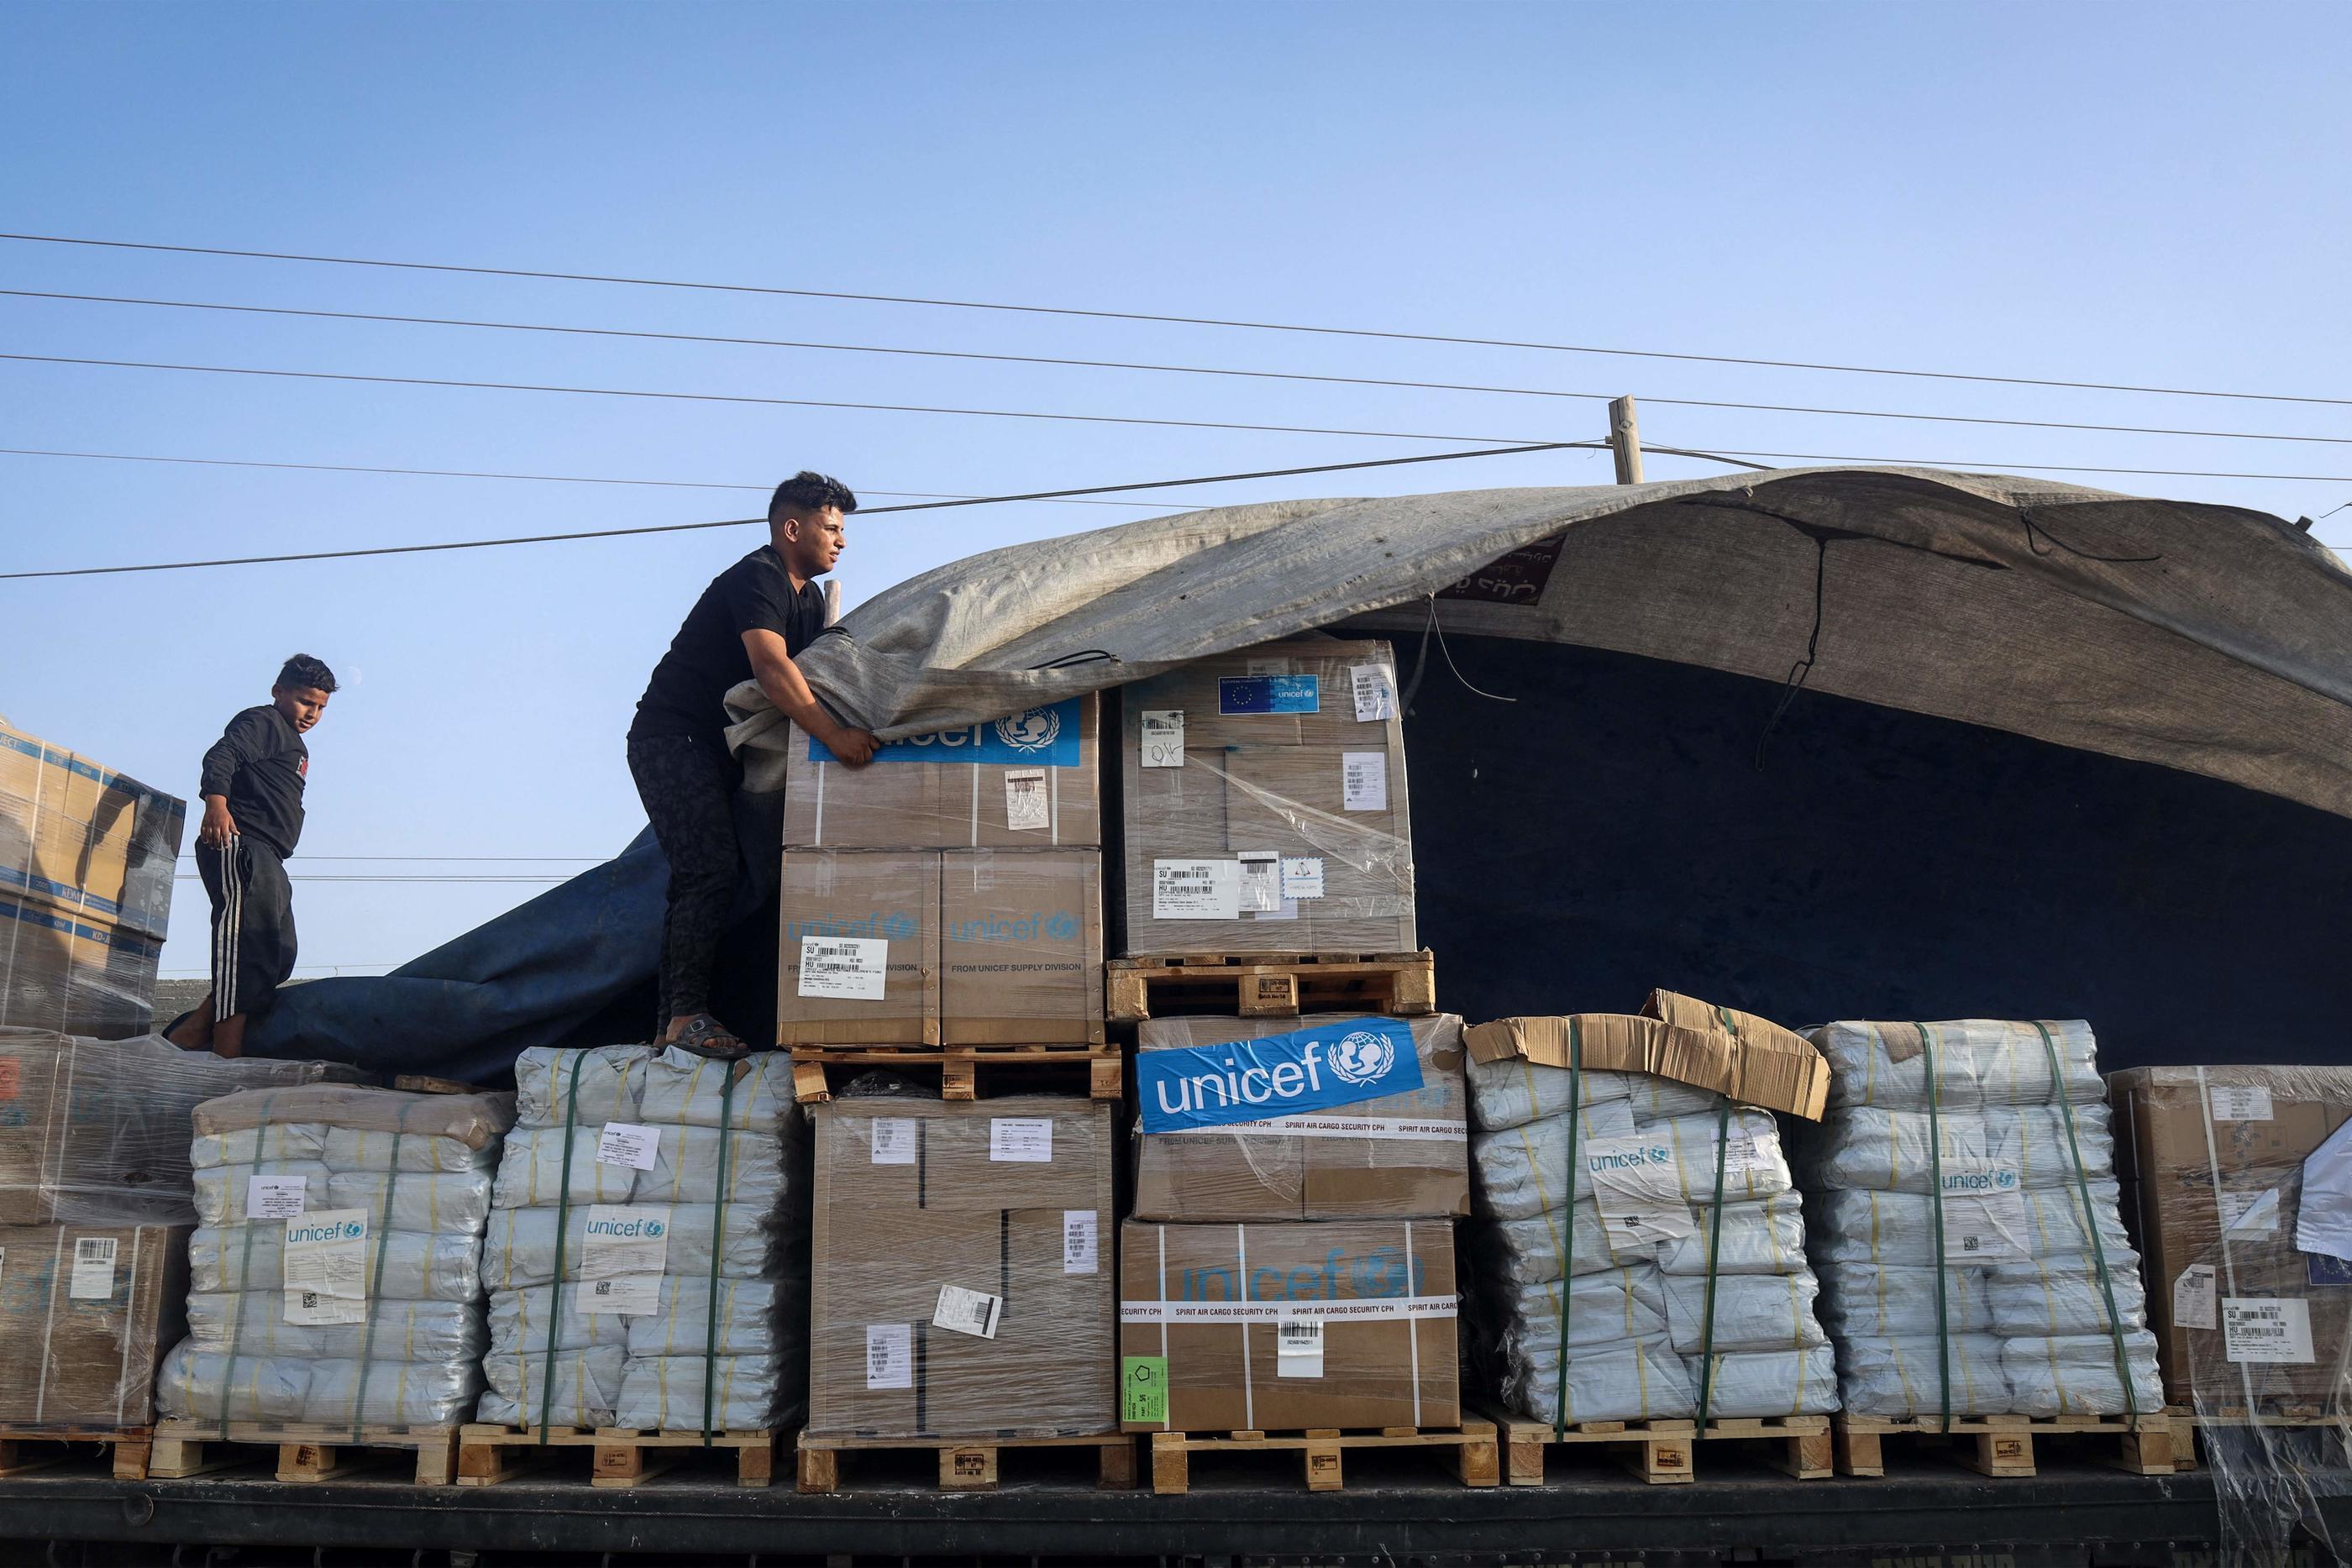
<point x="336" y="1279"/>
<point x="1966" y="1223"/>
<point x="1677" y="1229"/>
<point x="606" y="1290"/>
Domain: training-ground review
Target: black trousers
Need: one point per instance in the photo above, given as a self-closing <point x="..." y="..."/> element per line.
<point x="252" y="923"/>
<point x="688" y="784"/>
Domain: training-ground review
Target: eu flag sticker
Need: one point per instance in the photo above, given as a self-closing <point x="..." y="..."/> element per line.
<point x="1269" y="694"/>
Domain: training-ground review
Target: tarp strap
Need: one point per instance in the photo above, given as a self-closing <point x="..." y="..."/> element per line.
<point x="1568" y="1212"/>
<point x="382" y="1237"/>
<point x="1936" y="1219"/>
<point x="718" y="1236"/>
<point x="2090" y="1219"/>
<point x="562" y="1219"/>
<point x="1714" y="1251"/>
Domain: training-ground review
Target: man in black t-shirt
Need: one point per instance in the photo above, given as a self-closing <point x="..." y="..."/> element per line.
<point x="252" y="789"/>
<point x="747" y="625"/>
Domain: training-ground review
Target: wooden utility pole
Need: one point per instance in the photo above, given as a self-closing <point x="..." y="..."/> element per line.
<point x="1626" y="439"/>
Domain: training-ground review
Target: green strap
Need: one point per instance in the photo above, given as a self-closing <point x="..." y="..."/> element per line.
<point x="2090" y="1219"/>
<point x="382" y="1237"/>
<point x="1714" y="1251"/>
<point x="563" y="1214"/>
<point x="1568" y="1214"/>
<point x="718" y="1233"/>
<point x="1936" y="1187"/>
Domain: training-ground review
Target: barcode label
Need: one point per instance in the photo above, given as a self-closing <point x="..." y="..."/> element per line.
<point x="2266" y="1329"/>
<point x="93" y="1268"/>
<point x="852" y="968"/>
<point x="1081" y="1248"/>
<point x="1298" y="1347"/>
<point x="889" y="1356"/>
<point x="1196" y="890"/>
<point x="1025" y="807"/>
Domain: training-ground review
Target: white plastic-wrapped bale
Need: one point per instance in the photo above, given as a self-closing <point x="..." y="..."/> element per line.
<point x="647" y="1211"/>
<point x="336" y="1279"/>
<point x="1964" y="1224"/>
<point x="1680" y="1239"/>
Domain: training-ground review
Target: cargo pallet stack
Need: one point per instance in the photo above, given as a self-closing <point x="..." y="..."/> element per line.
<point x="940" y="991"/>
<point x="1286" y="1282"/>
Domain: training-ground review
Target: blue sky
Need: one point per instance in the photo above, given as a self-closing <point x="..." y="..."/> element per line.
<point x="2105" y="193"/>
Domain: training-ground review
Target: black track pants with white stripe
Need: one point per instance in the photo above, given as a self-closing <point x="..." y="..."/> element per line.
<point x="253" y="924"/>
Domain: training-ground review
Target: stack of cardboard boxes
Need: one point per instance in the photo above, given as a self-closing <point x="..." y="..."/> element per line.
<point x="86" y="862"/>
<point x="950" y="894"/>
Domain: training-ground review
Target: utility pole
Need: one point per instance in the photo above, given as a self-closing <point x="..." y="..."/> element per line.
<point x="1626" y="439"/>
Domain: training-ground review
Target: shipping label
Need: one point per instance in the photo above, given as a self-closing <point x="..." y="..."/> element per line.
<point x="629" y="1146"/>
<point x="894" y="1141"/>
<point x="1364" y="780"/>
<point x="1196" y="890"/>
<point x="973" y="1313"/>
<point x="1340" y="1063"/>
<point x="1302" y="876"/>
<point x="1081" y="1241"/>
<point x="1020" y="1140"/>
<point x="325" y="1267"/>
<point x="1374" y="697"/>
<point x="2195" y="1295"/>
<point x="1026" y="805"/>
<point x="1298" y="1346"/>
<point x="624" y="1250"/>
<point x="849" y="968"/>
<point x="2275" y="1329"/>
<point x="2251" y="1213"/>
<point x="889" y="1356"/>
<point x="1269" y="694"/>
<point x="275" y="1196"/>
<point x="1163" y="737"/>
<point x="1143" y="1389"/>
<point x="1261" y="881"/>
<point x="2239" y="1102"/>
<point x="93" y="1268"/>
<point x="1042" y="736"/>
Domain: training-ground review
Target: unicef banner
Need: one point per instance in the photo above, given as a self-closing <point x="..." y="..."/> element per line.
<point x="1258" y="1080"/>
<point x="1044" y="738"/>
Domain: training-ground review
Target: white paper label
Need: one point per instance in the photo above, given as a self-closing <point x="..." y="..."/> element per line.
<point x="1163" y="738"/>
<point x="1024" y="799"/>
<point x="1081" y="1250"/>
<point x="1364" y="780"/>
<point x="275" y="1196"/>
<point x="93" y="1268"/>
<point x="622" y="1256"/>
<point x="1298" y="1347"/>
<point x="1196" y="890"/>
<point x="2266" y="1329"/>
<point x="1373" y="698"/>
<point x="1637" y="1185"/>
<point x="2251" y="1213"/>
<point x="967" y="1311"/>
<point x="853" y="968"/>
<point x="1261" y="874"/>
<point x="627" y="1143"/>
<point x="1020" y="1140"/>
<point x="2195" y="1297"/>
<point x="889" y="1356"/>
<point x="1302" y="876"/>
<point x="2240" y="1103"/>
<point x="326" y="1267"/>
<point x="1984" y="1211"/>
<point x="894" y="1141"/>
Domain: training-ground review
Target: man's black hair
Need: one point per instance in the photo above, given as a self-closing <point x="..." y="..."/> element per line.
<point x="302" y="671"/>
<point x="807" y="493"/>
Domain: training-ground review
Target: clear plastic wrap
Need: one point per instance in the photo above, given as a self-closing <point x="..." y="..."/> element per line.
<point x="1278" y="771"/>
<point x="1029" y="778"/>
<point x="69" y="973"/>
<point x="84" y="1311"/>
<point x="628" y="1162"/>
<point x="1963" y="1186"/>
<point x="84" y="839"/>
<point x="1524" y="1168"/>
<point x="341" y="1286"/>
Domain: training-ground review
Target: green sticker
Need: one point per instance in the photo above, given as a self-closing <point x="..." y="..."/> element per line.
<point x="1144" y="1389"/>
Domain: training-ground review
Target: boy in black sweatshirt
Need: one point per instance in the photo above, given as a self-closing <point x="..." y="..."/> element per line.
<point x="252" y="789"/>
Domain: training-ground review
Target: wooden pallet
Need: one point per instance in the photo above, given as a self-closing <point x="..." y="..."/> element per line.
<point x="1470" y="1450"/>
<point x="1270" y="985"/>
<point x="307" y="1451"/>
<point x="24" y="1449"/>
<point x="1662" y="1452"/>
<point x="2187" y="1424"/>
<point x="959" y="1067"/>
<point x="619" y="1456"/>
<point x="2003" y="1445"/>
<point x="966" y="1464"/>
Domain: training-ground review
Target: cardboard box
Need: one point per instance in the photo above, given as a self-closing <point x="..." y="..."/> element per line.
<point x="79" y="837"/>
<point x="867" y="924"/>
<point x="1203" y="1316"/>
<point x="85" y="1312"/>
<point x="993" y="1214"/>
<point x="74" y="973"/>
<point x="1279" y="821"/>
<point x="1028" y="780"/>
<point x="97" y="1132"/>
<point x="1354" y="1155"/>
<point x="1020" y="947"/>
<point x="1766" y="1066"/>
<point x="2181" y="1133"/>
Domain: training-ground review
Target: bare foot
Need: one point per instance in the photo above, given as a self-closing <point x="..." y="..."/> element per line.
<point x="193" y="1029"/>
<point x="228" y="1036"/>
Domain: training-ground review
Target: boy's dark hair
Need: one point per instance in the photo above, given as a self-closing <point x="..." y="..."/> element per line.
<point x="302" y="671"/>
<point x="807" y="493"/>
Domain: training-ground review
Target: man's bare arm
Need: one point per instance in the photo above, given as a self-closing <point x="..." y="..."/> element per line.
<point x="772" y="666"/>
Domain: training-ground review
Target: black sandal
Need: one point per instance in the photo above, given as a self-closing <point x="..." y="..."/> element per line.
<point x="704" y="1036"/>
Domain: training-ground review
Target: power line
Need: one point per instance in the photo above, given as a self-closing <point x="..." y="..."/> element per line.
<point x="356" y="876"/>
<point x="447" y="860"/>
<point x="1392" y="336"/>
<point x="1958" y="467"/>
<point x="738" y="522"/>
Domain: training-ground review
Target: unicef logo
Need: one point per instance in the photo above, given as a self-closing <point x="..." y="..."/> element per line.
<point x="1363" y="1056"/>
<point x="1061" y="927"/>
<point x="1380" y="1273"/>
<point x="655" y="1228"/>
<point x="1031" y="731"/>
<point x="899" y="927"/>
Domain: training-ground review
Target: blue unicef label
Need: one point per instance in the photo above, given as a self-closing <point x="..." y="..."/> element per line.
<point x="1269" y="694"/>
<point x="1256" y="1079"/>
<point x="1043" y="738"/>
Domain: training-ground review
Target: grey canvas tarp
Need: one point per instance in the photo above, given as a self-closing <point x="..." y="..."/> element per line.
<point x="2210" y="639"/>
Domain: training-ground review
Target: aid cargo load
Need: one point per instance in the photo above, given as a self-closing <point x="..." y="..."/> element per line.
<point x="1029" y="780"/>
